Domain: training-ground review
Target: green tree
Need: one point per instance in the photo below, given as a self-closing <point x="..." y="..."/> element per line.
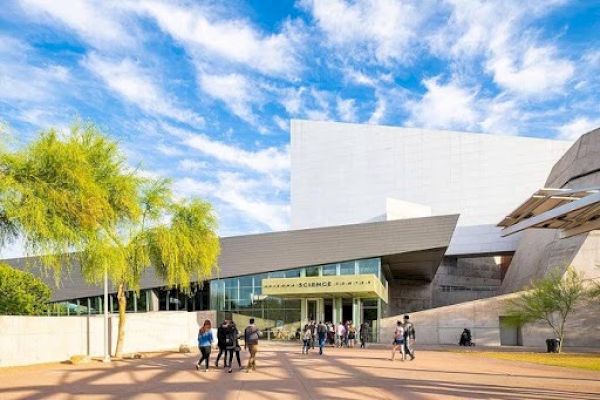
<point x="177" y="239"/>
<point x="73" y="197"/>
<point x="21" y="293"/>
<point x="550" y="300"/>
<point x="58" y="191"/>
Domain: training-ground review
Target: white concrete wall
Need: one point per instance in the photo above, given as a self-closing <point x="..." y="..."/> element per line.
<point x="31" y="340"/>
<point x="443" y="325"/>
<point x="343" y="173"/>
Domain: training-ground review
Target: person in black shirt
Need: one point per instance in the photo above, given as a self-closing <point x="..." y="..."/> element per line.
<point x="233" y="345"/>
<point x="409" y="337"/>
<point x="221" y="343"/>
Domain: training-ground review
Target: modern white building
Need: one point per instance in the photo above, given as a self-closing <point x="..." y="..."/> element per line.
<point x="351" y="173"/>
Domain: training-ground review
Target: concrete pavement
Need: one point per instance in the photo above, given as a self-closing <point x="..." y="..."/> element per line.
<point x="284" y="373"/>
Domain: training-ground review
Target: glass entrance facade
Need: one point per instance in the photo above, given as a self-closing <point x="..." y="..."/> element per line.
<point x="240" y="298"/>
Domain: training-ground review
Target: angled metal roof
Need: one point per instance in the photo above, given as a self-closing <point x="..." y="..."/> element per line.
<point x="422" y="241"/>
<point x="265" y="252"/>
<point x="574" y="211"/>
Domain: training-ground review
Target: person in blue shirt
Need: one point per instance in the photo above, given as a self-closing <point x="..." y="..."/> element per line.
<point x="205" y="339"/>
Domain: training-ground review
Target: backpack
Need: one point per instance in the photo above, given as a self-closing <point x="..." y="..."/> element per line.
<point x="230" y="337"/>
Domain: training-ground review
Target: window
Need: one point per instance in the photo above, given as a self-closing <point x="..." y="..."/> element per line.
<point x="347" y="268"/>
<point x="312" y="271"/>
<point x="292" y="273"/>
<point x="369" y="266"/>
<point x="329" y="269"/>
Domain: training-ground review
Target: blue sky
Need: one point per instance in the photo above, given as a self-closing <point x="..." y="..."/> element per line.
<point x="202" y="92"/>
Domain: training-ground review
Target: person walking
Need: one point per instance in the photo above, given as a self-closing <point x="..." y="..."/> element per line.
<point x="221" y="343"/>
<point x="340" y="333"/>
<point x="313" y="329"/>
<point x="251" y="335"/>
<point x="409" y="337"/>
<point x="330" y="333"/>
<point x="351" y="334"/>
<point x="233" y="345"/>
<point x="322" y="335"/>
<point x="363" y="334"/>
<point x="205" y="339"/>
<point x="346" y="332"/>
<point x="306" y="338"/>
<point x="398" y="341"/>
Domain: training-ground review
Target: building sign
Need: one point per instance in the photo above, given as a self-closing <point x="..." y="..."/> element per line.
<point x="366" y="285"/>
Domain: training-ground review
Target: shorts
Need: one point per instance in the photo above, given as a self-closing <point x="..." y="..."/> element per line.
<point x="398" y="341"/>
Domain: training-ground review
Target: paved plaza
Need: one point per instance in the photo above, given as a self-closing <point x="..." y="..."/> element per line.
<point x="284" y="373"/>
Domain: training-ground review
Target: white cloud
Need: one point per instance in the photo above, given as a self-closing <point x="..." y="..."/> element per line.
<point x="346" y="109"/>
<point x="169" y="150"/>
<point x="189" y="187"/>
<point x="269" y="160"/>
<point x="384" y="29"/>
<point x="499" y="32"/>
<point x="192" y="165"/>
<point x="248" y="196"/>
<point x="282" y="123"/>
<point x="444" y="106"/>
<point x="537" y="71"/>
<point x="136" y="86"/>
<point x="233" y="39"/>
<point x="577" y="127"/>
<point x="235" y="91"/>
<point x="242" y="194"/>
<point x="379" y="111"/>
<point x="97" y="22"/>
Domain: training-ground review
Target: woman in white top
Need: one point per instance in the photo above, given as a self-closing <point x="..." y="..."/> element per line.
<point x="398" y="342"/>
<point x="341" y="331"/>
<point x="306" y="339"/>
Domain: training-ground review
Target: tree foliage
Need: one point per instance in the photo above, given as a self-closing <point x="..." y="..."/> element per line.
<point x="550" y="300"/>
<point x="59" y="190"/>
<point x="73" y="196"/>
<point x="21" y="293"/>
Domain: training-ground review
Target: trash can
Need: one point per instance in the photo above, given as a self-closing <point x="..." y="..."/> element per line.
<point x="552" y="345"/>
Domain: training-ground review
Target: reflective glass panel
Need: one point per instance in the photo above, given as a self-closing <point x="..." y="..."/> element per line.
<point x="329" y="269"/>
<point x="347" y="268"/>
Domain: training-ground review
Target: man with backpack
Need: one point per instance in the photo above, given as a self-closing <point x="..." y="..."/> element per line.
<point x="251" y="335"/>
<point x="409" y="337"/>
<point x="322" y="334"/>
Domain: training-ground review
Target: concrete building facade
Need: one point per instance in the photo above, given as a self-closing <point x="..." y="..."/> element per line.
<point x="389" y="221"/>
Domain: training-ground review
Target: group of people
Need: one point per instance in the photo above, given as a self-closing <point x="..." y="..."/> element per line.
<point x="344" y="334"/>
<point x="228" y="343"/>
<point x="404" y="338"/>
<point x="341" y="335"/>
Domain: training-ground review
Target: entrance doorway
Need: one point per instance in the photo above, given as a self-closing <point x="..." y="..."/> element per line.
<point x="328" y="310"/>
<point x="346" y="310"/>
<point x="311" y="309"/>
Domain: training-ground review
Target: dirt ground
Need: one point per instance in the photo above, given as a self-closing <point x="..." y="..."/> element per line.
<point x="283" y="373"/>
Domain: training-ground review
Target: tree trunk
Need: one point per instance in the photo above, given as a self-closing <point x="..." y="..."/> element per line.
<point x="122" y="298"/>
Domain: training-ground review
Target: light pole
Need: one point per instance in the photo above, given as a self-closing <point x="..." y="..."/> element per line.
<point x="106" y="358"/>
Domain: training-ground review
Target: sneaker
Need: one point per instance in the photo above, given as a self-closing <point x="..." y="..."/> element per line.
<point x="230" y="370"/>
<point x="197" y="367"/>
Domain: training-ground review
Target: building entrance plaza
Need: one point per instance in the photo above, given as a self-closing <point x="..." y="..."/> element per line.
<point x="283" y="373"/>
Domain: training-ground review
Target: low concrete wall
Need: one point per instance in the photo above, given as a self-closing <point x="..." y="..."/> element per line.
<point x="31" y="340"/>
<point x="443" y="325"/>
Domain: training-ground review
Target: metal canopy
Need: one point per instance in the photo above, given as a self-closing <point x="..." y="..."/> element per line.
<point x="573" y="211"/>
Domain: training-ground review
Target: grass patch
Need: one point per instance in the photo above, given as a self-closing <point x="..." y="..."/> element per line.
<point x="583" y="361"/>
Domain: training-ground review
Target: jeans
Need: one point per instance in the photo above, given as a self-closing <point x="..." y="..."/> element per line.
<point x="305" y="345"/>
<point x="237" y="355"/>
<point x="205" y="350"/>
<point x="321" y="343"/>
<point x="252" y="349"/>
<point x="222" y="352"/>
